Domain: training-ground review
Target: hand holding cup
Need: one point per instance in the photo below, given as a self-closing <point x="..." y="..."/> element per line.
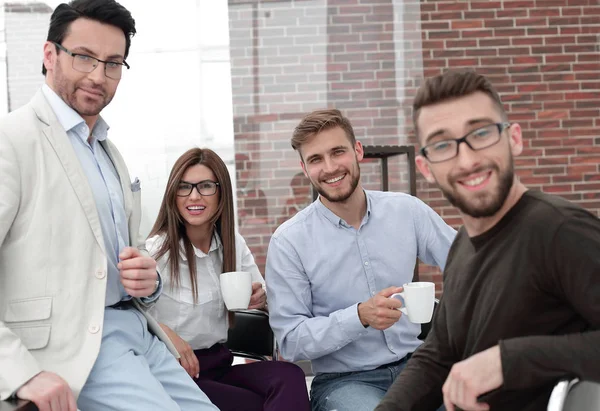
<point x="419" y="301"/>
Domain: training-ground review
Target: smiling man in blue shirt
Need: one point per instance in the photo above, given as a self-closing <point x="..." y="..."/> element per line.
<point x="332" y="268"/>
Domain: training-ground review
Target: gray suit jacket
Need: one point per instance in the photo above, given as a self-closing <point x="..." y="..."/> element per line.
<point x="53" y="265"/>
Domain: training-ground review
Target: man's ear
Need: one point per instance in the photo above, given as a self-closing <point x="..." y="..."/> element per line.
<point x="515" y="139"/>
<point x="423" y="166"/>
<point x="50" y="55"/>
<point x="359" y="151"/>
<point x="304" y="169"/>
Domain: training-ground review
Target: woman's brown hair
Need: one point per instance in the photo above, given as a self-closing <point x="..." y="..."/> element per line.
<point x="171" y="225"/>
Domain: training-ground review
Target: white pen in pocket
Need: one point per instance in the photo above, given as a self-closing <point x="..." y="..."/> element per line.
<point x="419" y="300"/>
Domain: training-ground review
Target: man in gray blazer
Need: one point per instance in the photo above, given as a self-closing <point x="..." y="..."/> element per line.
<point x="74" y="276"/>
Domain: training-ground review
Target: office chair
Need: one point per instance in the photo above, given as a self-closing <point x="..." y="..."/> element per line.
<point x="575" y="395"/>
<point x="251" y="336"/>
<point x="425" y="328"/>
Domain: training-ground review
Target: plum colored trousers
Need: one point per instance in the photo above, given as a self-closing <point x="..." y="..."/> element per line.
<point x="257" y="386"/>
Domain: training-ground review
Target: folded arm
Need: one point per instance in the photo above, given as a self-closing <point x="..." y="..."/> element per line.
<point x="300" y="334"/>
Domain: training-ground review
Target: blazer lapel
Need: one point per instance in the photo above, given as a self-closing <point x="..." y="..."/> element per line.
<point x="58" y="139"/>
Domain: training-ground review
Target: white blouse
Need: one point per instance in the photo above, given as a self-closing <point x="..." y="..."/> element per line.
<point x="205" y="323"/>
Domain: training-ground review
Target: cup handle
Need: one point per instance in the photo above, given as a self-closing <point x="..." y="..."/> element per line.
<point x="402" y="309"/>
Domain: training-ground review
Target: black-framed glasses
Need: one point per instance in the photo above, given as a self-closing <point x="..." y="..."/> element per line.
<point x="204" y="188"/>
<point x="478" y="139"/>
<point x="86" y="64"/>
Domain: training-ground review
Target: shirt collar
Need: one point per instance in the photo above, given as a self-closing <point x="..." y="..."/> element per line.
<point x="334" y="218"/>
<point x="215" y="244"/>
<point x="70" y="120"/>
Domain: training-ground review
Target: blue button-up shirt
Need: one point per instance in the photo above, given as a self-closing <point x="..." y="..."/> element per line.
<point x="319" y="268"/>
<point x="104" y="182"/>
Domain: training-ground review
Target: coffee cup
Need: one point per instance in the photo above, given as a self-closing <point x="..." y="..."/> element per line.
<point x="419" y="301"/>
<point x="236" y="289"/>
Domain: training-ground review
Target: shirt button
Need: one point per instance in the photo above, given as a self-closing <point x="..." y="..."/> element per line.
<point x="94" y="328"/>
<point x="100" y="274"/>
<point x="366" y="263"/>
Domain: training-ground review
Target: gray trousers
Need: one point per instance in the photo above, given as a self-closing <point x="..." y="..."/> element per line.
<point x="135" y="371"/>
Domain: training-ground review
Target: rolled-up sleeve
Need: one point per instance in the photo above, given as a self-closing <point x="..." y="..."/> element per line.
<point x="246" y="260"/>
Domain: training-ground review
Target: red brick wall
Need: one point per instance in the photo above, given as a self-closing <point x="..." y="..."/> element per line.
<point x="544" y="57"/>
<point x="366" y="57"/>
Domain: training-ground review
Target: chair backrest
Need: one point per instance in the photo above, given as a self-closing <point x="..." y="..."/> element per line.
<point x="583" y="396"/>
<point x="575" y="395"/>
<point x="425" y="328"/>
<point x="251" y="335"/>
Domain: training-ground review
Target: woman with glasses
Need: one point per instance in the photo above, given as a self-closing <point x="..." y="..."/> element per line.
<point x="193" y="241"/>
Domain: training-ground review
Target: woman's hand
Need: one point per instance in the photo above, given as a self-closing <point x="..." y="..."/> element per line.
<point x="187" y="359"/>
<point x="258" y="300"/>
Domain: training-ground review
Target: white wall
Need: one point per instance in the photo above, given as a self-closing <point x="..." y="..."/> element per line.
<point x="25" y="36"/>
<point x="3" y="67"/>
<point x="177" y="94"/>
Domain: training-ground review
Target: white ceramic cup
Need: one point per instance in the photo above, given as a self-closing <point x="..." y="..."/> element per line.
<point x="236" y="289"/>
<point x="419" y="300"/>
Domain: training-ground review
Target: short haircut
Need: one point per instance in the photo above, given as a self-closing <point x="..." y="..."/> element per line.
<point x="318" y="121"/>
<point x="103" y="11"/>
<point x="453" y="84"/>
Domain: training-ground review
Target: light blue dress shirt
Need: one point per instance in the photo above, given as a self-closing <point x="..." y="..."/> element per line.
<point x="319" y="268"/>
<point x="105" y="184"/>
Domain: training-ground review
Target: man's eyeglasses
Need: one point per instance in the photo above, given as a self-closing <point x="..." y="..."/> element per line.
<point x="204" y="188"/>
<point x="478" y="139"/>
<point x="86" y="64"/>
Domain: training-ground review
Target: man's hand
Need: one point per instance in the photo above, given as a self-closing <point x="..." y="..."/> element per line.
<point x="468" y="379"/>
<point x="49" y="392"/>
<point x="187" y="358"/>
<point x="138" y="272"/>
<point x="380" y="311"/>
<point x="258" y="298"/>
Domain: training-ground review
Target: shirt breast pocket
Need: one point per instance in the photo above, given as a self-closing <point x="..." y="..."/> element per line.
<point x="186" y="296"/>
<point x="206" y="307"/>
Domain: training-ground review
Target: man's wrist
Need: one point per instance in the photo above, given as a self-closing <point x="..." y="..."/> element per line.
<point x="155" y="294"/>
<point x="364" y="323"/>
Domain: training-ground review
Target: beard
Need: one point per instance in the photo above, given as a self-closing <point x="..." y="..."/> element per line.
<point x="483" y="204"/>
<point x="343" y="196"/>
<point x="83" y="105"/>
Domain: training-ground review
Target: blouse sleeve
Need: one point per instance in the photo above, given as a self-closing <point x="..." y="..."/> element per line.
<point x="246" y="260"/>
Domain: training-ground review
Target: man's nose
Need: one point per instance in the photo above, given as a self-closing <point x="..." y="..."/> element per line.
<point x="98" y="75"/>
<point x="330" y="165"/>
<point x="466" y="158"/>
